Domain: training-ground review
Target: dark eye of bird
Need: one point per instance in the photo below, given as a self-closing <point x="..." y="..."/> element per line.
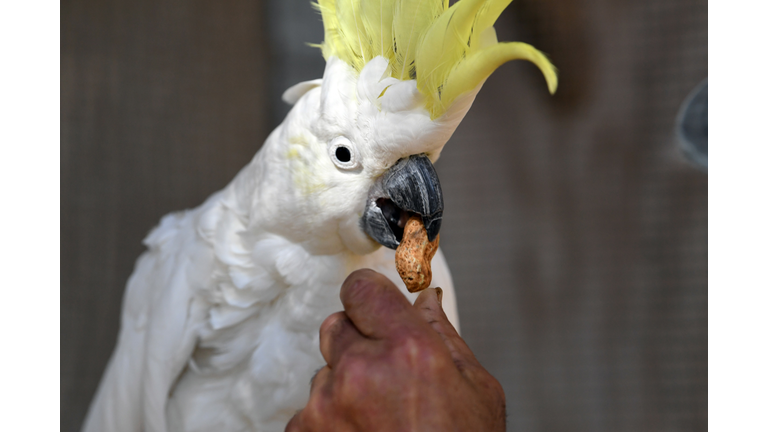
<point x="343" y="154"/>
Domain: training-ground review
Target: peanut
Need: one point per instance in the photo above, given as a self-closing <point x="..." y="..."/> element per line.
<point x="413" y="257"/>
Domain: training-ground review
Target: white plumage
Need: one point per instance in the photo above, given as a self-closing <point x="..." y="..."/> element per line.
<point x="219" y="328"/>
<point x="220" y="319"/>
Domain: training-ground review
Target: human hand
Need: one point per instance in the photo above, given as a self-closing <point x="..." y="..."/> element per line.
<point x="396" y="367"/>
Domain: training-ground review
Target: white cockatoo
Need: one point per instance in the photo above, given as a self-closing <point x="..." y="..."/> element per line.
<point x="220" y="319"/>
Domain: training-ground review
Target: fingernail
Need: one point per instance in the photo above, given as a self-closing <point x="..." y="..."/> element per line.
<point x="439" y="295"/>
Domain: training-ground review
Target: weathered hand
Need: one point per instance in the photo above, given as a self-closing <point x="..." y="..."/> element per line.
<point x="397" y="367"/>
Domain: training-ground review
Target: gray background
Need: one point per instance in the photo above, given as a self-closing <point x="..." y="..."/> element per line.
<point x="576" y="233"/>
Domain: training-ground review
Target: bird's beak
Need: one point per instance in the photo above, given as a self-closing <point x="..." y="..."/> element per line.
<point x="409" y="186"/>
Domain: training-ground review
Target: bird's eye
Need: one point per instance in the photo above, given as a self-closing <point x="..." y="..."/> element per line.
<point x="343" y="154"/>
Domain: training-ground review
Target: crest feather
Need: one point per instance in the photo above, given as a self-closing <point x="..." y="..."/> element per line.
<point x="449" y="51"/>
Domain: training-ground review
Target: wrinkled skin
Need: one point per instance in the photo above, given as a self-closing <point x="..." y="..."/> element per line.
<point x="396" y="367"/>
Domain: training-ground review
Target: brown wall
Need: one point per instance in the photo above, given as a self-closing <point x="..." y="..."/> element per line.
<point x="162" y="103"/>
<point x="576" y="233"/>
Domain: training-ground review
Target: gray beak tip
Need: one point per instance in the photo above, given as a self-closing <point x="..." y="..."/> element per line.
<point x="432" y="225"/>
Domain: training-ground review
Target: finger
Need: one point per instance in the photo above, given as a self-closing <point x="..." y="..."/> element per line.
<point x="305" y="418"/>
<point x="295" y="424"/>
<point x="337" y="334"/>
<point x="431" y="311"/>
<point x="320" y="379"/>
<point x="375" y="305"/>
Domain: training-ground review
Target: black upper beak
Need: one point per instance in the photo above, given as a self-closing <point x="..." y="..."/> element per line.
<point x="409" y="186"/>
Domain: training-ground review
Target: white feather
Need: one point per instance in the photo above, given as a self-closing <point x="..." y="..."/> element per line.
<point x="296" y="91"/>
<point x="219" y="329"/>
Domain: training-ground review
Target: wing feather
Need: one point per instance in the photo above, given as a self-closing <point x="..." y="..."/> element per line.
<point x="155" y="340"/>
<point x="173" y="299"/>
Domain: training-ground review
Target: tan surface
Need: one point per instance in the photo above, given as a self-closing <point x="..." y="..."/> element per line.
<point x="413" y="257"/>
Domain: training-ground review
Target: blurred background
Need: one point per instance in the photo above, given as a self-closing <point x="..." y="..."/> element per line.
<point x="575" y="227"/>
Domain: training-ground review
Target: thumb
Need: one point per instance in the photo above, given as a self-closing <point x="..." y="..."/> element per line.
<point x="429" y="307"/>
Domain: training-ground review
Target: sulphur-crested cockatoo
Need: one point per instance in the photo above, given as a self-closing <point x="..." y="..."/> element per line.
<point x="219" y="326"/>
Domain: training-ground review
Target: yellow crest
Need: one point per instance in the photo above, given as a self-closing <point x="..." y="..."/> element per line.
<point x="447" y="50"/>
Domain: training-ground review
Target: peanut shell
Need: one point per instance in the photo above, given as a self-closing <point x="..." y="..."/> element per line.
<point x="413" y="257"/>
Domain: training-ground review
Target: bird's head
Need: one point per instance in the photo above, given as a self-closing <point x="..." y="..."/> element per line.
<point x="399" y="78"/>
